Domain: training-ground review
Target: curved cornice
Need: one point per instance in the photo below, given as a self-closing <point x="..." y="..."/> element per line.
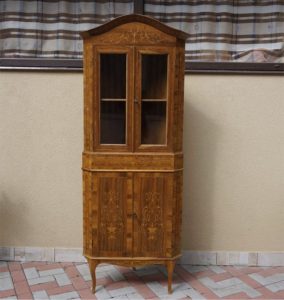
<point x="134" y="18"/>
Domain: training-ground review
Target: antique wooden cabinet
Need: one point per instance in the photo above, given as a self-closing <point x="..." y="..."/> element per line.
<point x="132" y="159"/>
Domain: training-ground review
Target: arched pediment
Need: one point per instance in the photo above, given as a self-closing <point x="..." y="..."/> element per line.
<point x="134" y="29"/>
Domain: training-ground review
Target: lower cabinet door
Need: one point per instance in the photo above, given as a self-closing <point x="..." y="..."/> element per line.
<point x="112" y="214"/>
<point x="152" y="227"/>
<point x="130" y="214"/>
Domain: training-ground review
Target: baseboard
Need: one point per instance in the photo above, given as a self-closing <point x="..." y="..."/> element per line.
<point x="226" y="258"/>
<point x="41" y="254"/>
<point x="241" y="258"/>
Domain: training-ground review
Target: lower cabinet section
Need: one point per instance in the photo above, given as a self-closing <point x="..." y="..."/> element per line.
<point x="132" y="218"/>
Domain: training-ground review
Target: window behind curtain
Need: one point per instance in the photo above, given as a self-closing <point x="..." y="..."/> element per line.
<point x="226" y="31"/>
<point x="50" y="29"/>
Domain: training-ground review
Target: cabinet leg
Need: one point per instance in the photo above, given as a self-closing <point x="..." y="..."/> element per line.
<point x="92" y="265"/>
<point x="170" y="269"/>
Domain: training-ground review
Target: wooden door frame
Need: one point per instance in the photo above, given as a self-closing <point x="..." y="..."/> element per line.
<point x="170" y="51"/>
<point x="97" y="50"/>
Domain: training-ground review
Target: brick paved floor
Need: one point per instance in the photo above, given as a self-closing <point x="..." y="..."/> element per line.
<point x="38" y="280"/>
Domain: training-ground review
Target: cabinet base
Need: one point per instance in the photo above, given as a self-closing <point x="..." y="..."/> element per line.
<point x="133" y="262"/>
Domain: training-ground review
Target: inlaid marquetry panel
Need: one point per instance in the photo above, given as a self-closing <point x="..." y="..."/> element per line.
<point x="134" y="34"/>
<point x="177" y="213"/>
<point x="178" y="103"/>
<point x="112" y="210"/>
<point x="152" y="211"/>
<point x="132" y="161"/>
<point x="87" y="212"/>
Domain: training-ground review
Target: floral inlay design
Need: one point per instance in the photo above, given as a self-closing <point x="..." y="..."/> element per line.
<point x="152" y="216"/>
<point x="112" y="216"/>
<point x="134" y="35"/>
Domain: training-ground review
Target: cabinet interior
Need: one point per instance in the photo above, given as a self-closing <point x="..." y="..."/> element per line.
<point x="113" y="98"/>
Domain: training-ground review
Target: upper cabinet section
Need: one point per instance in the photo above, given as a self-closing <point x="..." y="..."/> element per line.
<point x="133" y="82"/>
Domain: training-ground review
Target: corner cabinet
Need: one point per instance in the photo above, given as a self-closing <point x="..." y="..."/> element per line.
<point x="132" y="159"/>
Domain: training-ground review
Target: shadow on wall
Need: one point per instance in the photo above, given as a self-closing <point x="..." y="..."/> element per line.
<point x="200" y="142"/>
<point x="12" y="219"/>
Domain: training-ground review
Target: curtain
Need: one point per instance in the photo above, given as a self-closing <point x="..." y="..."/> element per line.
<point x="220" y="31"/>
<point x="226" y="31"/>
<point x="50" y="29"/>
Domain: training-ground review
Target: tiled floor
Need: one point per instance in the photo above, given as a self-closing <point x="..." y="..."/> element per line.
<point x="37" y="280"/>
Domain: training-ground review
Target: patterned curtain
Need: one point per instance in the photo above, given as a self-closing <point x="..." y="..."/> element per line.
<point x="50" y="29"/>
<point x="226" y="31"/>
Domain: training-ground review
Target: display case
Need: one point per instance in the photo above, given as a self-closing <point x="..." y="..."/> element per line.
<point x="132" y="159"/>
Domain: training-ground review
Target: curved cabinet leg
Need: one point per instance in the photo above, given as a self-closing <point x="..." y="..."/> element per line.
<point x="92" y="265"/>
<point x="170" y="269"/>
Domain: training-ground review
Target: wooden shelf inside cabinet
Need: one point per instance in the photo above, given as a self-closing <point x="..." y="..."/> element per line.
<point x="132" y="160"/>
<point x="113" y="99"/>
<point x="154" y="100"/>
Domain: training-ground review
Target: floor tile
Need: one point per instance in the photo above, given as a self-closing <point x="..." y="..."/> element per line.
<point x="6" y="284"/>
<point x="37" y="280"/>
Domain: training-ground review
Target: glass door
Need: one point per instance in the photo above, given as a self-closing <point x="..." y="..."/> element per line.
<point x="113" y="106"/>
<point x="152" y="98"/>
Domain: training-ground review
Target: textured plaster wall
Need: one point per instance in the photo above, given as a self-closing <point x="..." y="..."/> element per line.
<point x="234" y="163"/>
<point x="40" y="159"/>
<point x="233" y="148"/>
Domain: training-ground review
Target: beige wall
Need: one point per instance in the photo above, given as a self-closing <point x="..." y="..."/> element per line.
<point x="234" y="161"/>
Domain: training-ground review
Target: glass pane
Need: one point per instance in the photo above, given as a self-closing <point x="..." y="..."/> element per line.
<point x="112" y="122"/>
<point x="153" y="122"/>
<point x="154" y="76"/>
<point x="113" y="76"/>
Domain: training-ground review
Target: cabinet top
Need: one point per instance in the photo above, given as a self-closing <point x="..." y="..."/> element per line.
<point x="134" y="18"/>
